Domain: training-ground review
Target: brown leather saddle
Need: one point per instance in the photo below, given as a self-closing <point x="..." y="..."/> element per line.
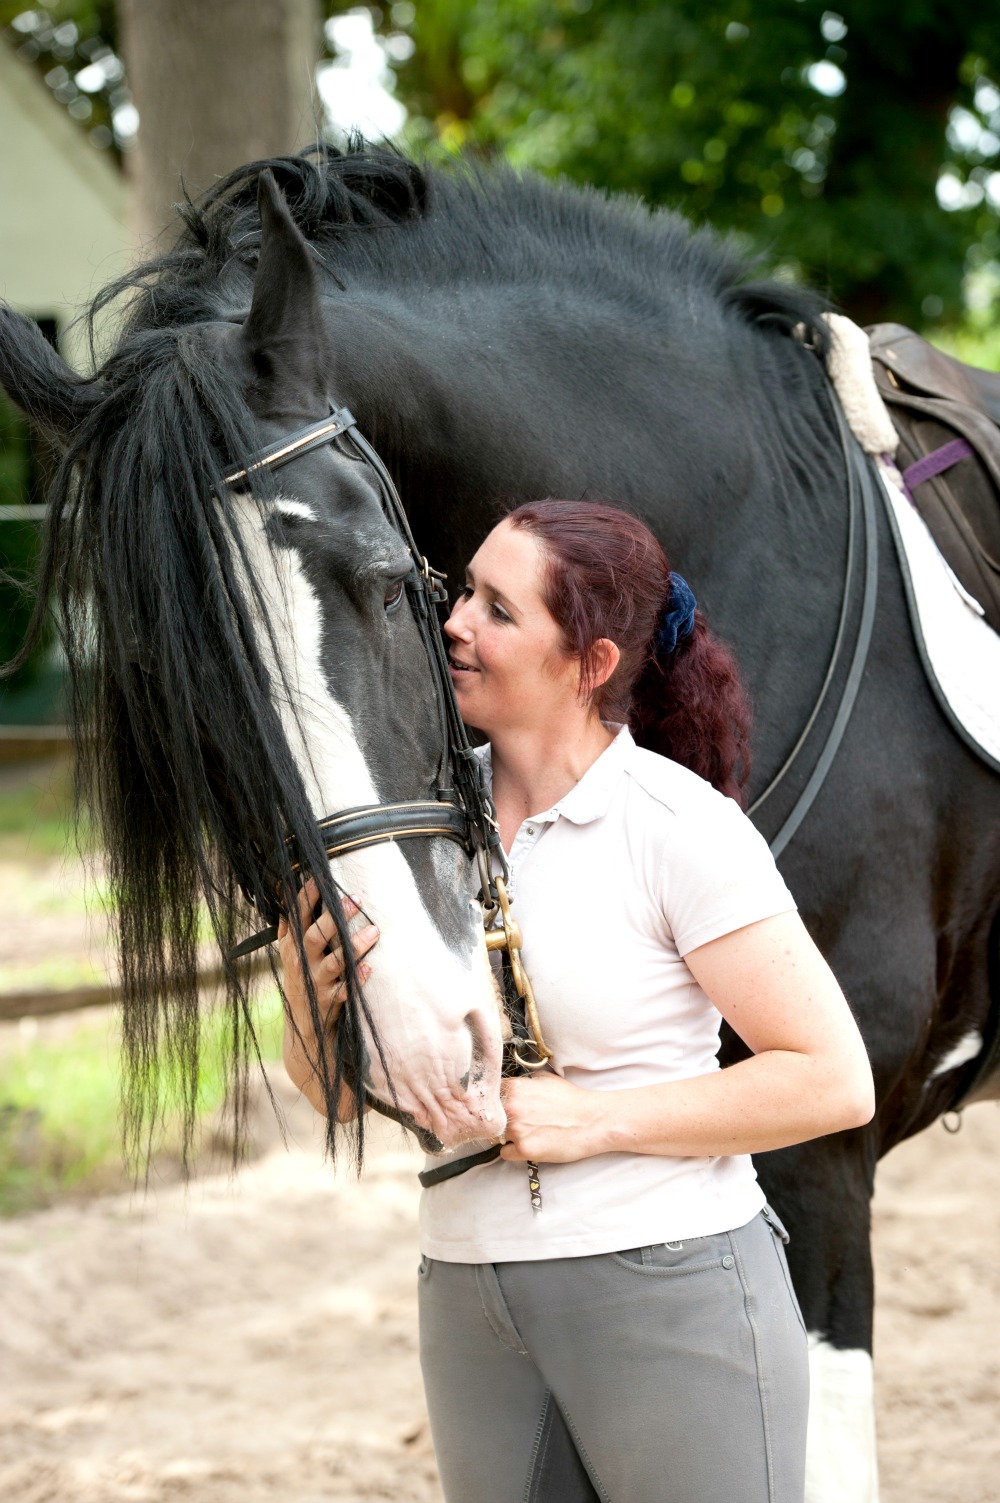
<point x="947" y="415"/>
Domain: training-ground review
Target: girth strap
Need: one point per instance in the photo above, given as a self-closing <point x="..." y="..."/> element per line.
<point x="862" y="487"/>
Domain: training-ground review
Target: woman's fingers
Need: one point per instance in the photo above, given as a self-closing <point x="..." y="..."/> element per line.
<point x="318" y="929"/>
<point x="323" y="950"/>
<point x="331" y="967"/>
<point x="364" y="940"/>
<point x="338" y="991"/>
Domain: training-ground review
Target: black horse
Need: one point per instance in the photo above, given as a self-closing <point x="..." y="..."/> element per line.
<point x="500" y="339"/>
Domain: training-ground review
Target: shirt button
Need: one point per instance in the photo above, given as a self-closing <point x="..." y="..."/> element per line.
<point x="530" y="829"/>
<point x="728" y="1261"/>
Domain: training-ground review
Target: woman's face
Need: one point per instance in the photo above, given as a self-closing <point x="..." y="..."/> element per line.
<point x="506" y="652"/>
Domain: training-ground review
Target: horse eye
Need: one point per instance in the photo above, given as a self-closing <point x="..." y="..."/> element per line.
<point x="393" y="595"/>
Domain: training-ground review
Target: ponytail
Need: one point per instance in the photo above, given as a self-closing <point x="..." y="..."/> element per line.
<point x="676" y="684"/>
<point x="690" y="705"/>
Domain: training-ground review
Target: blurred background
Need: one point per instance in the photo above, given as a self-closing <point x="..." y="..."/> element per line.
<point x="145" y="1340"/>
<point x="858" y="150"/>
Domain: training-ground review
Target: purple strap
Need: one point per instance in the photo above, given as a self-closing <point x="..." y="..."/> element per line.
<point x="934" y="463"/>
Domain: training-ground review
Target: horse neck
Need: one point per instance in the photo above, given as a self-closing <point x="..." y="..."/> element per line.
<point x="722" y="439"/>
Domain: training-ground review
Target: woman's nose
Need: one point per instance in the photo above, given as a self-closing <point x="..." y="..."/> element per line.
<point x="453" y="626"/>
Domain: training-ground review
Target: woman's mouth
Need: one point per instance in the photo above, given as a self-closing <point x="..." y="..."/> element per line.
<point x="457" y="667"/>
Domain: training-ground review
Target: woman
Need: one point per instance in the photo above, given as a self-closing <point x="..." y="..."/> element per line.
<point x="639" y="1338"/>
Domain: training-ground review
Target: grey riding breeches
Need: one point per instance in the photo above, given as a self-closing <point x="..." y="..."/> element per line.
<point x="669" y="1374"/>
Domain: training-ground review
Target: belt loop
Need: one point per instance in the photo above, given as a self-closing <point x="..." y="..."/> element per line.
<point x="776" y="1224"/>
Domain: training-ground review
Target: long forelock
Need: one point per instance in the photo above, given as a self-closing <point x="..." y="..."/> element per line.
<point x="181" y="749"/>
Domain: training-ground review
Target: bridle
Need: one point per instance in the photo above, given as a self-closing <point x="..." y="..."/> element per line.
<point x="462" y="809"/>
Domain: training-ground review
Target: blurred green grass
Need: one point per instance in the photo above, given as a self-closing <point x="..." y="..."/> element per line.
<point x="60" y="1103"/>
<point x="60" y="1077"/>
<point x="36" y="814"/>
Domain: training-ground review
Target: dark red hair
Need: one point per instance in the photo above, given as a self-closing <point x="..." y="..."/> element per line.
<point x="607" y="576"/>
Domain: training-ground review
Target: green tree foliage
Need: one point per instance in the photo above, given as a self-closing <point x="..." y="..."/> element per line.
<point x="819" y="135"/>
<point x="859" y="147"/>
<point x="72" y="43"/>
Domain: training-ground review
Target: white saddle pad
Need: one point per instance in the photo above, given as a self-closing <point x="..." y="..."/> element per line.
<point x="960" y="652"/>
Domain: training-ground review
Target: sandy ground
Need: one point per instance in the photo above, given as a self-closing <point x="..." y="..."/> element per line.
<point x="255" y="1338"/>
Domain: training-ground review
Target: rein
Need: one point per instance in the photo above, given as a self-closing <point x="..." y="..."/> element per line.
<point x="463" y="810"/>
<point x="862" y="518"/>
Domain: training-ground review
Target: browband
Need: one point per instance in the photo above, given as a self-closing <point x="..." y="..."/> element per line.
<point x="313" y="436"/>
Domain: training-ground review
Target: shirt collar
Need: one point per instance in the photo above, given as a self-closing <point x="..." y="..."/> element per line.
<point x="592" y="795"/>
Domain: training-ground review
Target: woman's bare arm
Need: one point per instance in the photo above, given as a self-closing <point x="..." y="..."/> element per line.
<point x="326" y="965"/>
<point x="808" y="1075"/>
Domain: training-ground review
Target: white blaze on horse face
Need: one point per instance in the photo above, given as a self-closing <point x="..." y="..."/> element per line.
<point x="968" y="1047"/>
<point x="436" y="1011"/>
<point x="841" y="1465"/>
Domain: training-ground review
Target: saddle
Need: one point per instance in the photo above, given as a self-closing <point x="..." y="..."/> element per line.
<point x="947" y="415"/>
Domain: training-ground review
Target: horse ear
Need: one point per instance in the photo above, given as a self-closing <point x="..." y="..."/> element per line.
<point x="283" y="330"/>
<point x="39" y="381"/>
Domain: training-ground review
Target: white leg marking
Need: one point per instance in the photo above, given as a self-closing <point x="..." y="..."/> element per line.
<point x="841" y="1466"/>
<point x="968" y="1047"/>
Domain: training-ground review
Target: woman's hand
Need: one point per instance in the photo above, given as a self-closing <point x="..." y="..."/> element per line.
<point x="325" y="960"/>
<point x="550" y="1121"/>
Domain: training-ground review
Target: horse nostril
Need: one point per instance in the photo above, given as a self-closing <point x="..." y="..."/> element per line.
<point x="475" y="1069"/>
<point x="481" y="1051"/>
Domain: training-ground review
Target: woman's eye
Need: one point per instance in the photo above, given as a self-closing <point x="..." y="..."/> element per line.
<point x="393" y="595"/>
<point x="499" y="614"/>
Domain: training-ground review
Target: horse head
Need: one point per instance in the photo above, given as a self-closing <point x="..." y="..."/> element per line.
<point x="246" y="661"/>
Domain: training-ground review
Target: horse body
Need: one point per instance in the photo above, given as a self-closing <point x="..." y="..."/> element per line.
<point x="506" y="341"/>
<point x="718" y="430"/>
<point x="691" y="416"/>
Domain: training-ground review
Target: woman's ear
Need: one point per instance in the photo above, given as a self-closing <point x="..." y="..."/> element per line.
<point x="604" y="658"/>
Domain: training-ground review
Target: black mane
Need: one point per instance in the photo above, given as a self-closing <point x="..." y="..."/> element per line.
<point x="488" y="225"/>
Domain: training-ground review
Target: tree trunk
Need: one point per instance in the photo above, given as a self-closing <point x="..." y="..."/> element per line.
<point x="216" y="83"/>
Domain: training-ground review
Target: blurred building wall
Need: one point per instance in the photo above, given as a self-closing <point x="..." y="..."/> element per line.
<point x="62" y="235"/>
<point x="62" y="205"/>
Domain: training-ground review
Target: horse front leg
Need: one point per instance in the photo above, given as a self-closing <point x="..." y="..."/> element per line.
<point x="822" y="1192"/>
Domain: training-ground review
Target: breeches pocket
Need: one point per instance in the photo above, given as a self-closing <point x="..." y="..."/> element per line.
<point x="668" y="1260"/>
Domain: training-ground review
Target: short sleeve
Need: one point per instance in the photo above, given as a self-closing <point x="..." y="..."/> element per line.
<point x="717" y="874"/>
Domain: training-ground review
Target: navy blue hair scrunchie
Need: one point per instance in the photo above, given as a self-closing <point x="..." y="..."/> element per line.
<point x="678" y="616"/>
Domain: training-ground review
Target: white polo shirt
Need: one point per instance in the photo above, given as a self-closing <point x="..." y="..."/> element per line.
<point x="638" y="864"/>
